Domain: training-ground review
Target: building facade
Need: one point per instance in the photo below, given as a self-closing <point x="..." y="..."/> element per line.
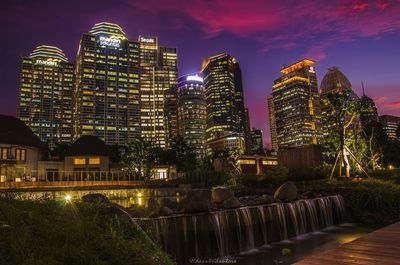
<point x="158" y="98"/>
<point x="107" y="99"/>
<point x="272" y="124"/>
<point x="296" y="106"/>
<point x="45" y="94"/>
<point x="390" y="125"/>
<point x="257" y="146"/>
<point x="192" y="112"/>
<point x="224" y="96"/>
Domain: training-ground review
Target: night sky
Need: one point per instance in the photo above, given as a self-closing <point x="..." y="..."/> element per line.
<point x="362" y="38"/>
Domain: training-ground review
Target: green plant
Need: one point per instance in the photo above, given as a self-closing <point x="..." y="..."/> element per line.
<point x="52" y="232"/>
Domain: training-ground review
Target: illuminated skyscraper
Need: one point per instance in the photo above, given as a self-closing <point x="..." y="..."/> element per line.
<point x="296" y="106"/>
<point x="226" y="114"/>
<point x="45" y="94"/>
<point x="257" y="146"/>
<point x="106" y="102"/>
<point x="272" y="124"/>
<point x="158" y="98"/>
<point x="390" y="124"/>
<point x="192" y="111"/>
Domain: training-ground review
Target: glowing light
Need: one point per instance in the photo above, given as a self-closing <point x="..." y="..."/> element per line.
<point x="47" y="62"/>
<point x="110" y="41"/>
<point x="147" y="40"/>
<point x="139" y="194"/>
<point x="68" y="198"/>
<point x="194" y="78"/>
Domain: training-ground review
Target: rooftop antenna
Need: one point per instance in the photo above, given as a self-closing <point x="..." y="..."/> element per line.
<point x="362" y="85"/>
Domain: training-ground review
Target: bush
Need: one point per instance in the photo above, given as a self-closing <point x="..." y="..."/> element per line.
<point x="310" y="173"/>
<point x="273" y="178"/>
<point x="378" y="199"/>
<point x="52" y="232"/>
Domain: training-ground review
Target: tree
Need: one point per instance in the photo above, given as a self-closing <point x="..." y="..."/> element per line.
<point x="343" y="111"/>
<point x="59" y="151"/>
<point x="139" y="157"/>
<point x="234" y="162"/>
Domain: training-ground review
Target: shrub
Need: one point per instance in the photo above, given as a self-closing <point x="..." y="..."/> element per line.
<point x="52" y="232"/>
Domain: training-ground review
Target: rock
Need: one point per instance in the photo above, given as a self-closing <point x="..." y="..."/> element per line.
<point x="219" y="195"/>
<point x="196" y="200"/>
<point x="230" y="203"/>
<point x="136" y="211"/>
<point x="165" y="202"/>
<point x="286" y="192"/>
<point x="95" y="198"/>
<point x="266" y="198"/>
<point x="165" y="211"/>
<point x="153" y="208"/>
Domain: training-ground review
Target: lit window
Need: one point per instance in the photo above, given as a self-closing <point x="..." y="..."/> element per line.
<point x="247" y="162"/>
<point x="79" y="161"/>
<point x="94" y="160"/>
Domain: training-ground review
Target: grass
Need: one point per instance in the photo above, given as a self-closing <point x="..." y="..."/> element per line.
<point x="54" y="232"/>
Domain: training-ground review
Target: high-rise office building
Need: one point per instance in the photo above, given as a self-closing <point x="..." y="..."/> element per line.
<point x="257" y="146"/>
<point x="390" y="124"/>
<point x="192" y="112"/>
<point x="226" y="114"/>
<point x="272" y="124"/>
<point x="370" y="111"/>
<point x="158" y="98"/>
<point x="296" y="106"/>
<point x="333" y="82"/>
<point x="45" y="94"/>
<point x="106" y="102"/>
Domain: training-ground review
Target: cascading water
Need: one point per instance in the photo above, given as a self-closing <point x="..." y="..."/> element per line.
<point x="230" y="232"/>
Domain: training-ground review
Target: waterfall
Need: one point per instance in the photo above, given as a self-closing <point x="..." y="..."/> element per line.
<point x="230" y="232"/>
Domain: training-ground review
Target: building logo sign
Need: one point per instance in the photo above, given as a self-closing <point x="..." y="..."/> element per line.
<point x="111" y="41"/>
<point x="48" y="62"/>
<point x="194" y="78"/>
<point x="147" y="40"/>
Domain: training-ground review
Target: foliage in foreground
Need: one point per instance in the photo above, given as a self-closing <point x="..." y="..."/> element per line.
<point x="372" y="200"/>
<point x="55" y="233"/>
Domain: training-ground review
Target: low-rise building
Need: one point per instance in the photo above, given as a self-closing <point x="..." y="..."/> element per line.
<point x="20" y="150"/>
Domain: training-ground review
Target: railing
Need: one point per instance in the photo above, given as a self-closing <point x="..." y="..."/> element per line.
<point x="71" y="178"/>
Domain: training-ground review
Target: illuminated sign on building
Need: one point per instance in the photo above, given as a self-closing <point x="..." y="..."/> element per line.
<point x="194" y="78"/>
<point x="46" y="63"/>
<point x="312" y="69"/>
<point x="147" y="40"/>
<point x="110" y="41"/>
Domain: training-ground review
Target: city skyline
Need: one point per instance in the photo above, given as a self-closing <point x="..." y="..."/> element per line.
<point x="364" y="50"/>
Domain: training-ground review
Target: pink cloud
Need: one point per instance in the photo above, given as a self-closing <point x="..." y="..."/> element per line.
<point x="283" y="24"/>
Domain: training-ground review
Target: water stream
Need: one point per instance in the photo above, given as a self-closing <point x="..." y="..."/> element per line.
<point x="243" y="230"/>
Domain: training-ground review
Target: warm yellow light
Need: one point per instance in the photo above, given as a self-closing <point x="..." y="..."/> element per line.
<point x="68" y="198"/>
<point x="139" y="195"/>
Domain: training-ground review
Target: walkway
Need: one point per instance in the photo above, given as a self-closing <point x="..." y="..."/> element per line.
<point x="379" y="247"/>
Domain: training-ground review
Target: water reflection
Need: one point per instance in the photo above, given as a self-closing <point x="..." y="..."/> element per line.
<point x="123" y="197"/>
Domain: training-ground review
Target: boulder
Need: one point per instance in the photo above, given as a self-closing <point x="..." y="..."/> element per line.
<point x="95" y="198"/>
<point x="266" y="198"/>
<point x="232" y="202"/>
<point x="196" y="200"/>
<point x="165" y="202"/>
<point x="219" y="195"/>
<point x="153" y="208"/>
<point x="286" y="192"/>
<point x="165" y="211"/>
<point x="136" y="211"/>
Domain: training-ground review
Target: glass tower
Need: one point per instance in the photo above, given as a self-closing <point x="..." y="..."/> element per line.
<point x="106" y="102"/>
<point x="296" y="106"/>
<point x="192" y="112"/>
<point x="224" y="96"/>
<point x="158" y="98"/>
<point x="45" y="94"/>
